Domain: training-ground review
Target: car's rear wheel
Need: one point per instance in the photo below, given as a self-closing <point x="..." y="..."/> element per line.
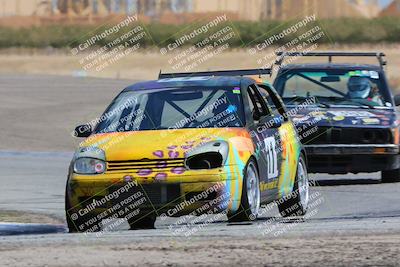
<point x="145" y="222"/>
<point x="297" y="202"/>
<point x="250" y="201"/>
<point x="391" y="176"/>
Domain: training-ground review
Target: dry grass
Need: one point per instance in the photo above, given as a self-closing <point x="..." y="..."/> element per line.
<point x="146" y="65"/>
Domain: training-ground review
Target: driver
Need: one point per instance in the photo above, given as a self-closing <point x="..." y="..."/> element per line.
<point x="362" y="88"/>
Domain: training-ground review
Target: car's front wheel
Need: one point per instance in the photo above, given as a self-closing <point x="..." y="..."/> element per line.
<point x="250" y="201"/>
<point x="72" y="226"/>
<point x="76" y="223"/>
<point x="145" y="222"/>
<point x="296" y="203"/>
<point x="391" y="176"/>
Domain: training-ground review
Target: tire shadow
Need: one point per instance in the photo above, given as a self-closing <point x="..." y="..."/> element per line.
<point x="335" y="182"/>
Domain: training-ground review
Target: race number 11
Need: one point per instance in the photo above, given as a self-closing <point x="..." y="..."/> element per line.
<point x="272" y="158"/>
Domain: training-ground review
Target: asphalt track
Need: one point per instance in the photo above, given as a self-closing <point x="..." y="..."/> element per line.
<point x="353" y="217"/>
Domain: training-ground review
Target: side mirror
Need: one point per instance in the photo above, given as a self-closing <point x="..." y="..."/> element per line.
<point x="397" y="100"/>
<point x="84" y="130"/>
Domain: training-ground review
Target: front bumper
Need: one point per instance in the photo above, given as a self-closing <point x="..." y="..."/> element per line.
<point x="345" y="149"/>
<point x="344" y="158"/>
<point x="195" y="192"/>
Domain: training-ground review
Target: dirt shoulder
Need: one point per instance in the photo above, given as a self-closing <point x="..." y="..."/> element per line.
<point x="8" y="216"/>
<point x="339" y="250"/>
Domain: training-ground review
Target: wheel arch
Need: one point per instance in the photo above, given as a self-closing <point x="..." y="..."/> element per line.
<point x="252" y="157"/>
<point x="304" y="153"/>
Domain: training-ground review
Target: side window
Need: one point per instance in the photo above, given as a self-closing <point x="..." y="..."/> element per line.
<point x="258" y="106"/>
<point x="278" y="108"/>
<point x="250" y="100"/>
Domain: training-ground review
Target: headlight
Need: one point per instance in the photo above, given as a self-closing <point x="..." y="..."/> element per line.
<point x="210" y="155"/>
<point x="89" y="166"/>
<point x="209" y="160"/>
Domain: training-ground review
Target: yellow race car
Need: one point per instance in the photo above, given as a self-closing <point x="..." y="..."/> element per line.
<point x="187" y="144"/>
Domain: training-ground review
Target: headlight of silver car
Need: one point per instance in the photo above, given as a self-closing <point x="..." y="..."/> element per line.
<point x="207" y="156"/>
<point x="89" y="166"/>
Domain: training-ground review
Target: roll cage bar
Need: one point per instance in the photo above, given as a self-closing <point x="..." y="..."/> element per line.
<point x="246" y="72"/>
<point x="380" y="56"/>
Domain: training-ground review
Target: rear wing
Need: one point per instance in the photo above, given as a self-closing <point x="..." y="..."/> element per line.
<point x="378" y="55"/>
<point x="247" y="72"/>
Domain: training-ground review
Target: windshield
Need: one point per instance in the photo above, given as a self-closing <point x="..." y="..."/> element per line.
<point x="334" y="87"/>
<point x="173" y="108"/>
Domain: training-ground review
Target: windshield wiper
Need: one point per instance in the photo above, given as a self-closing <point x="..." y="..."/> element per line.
<point x="362" y="105"/>
<point x="304" y="98"/>
<point x="336" y="99"/>
<point x="365" y="106"/>
<point x="322" y="105"/>
<point x="297" y="99"/>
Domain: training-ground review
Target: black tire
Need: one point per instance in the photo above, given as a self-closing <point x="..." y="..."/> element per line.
<point x="73" y="226"/>
<point x="293" y="204"/>
<point x="70" y="224"/>
<point x="391" y="176"/>
<point x="146" y="222"/>
<point x="245" y="212"/>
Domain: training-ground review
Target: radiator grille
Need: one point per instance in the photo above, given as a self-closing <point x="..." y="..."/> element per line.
<point x="333" y="135"/>
<point x="153" y="165"/>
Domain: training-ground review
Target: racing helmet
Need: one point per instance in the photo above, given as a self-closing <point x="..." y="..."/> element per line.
<point x="359" y="87"/>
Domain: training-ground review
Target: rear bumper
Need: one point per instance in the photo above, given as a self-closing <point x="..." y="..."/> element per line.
<point x="343" y="158"/>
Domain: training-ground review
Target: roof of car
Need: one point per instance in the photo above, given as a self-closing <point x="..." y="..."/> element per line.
<point x="208" y="81"/>
<point x="332" y="66"/>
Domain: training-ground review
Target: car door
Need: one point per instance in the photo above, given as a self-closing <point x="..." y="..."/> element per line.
<point x="289" y="144"/>
<point x="265" y="134"/>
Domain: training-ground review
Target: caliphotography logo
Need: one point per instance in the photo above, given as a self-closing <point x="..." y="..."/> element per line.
<point x="199" y="133"/>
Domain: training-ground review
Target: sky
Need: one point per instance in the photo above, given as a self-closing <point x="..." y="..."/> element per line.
<point x="384" y="2"/>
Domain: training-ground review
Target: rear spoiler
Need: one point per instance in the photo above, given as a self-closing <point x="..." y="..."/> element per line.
<point x="378" y="55"/>
<point x="247" y="72"/>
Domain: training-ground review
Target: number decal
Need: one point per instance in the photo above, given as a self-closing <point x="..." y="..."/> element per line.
<point x="272" y="158"/>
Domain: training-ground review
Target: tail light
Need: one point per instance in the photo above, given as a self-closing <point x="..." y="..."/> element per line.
<point x="395" y="133"/>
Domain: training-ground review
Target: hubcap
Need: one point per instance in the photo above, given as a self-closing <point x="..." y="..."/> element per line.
<point x="302" y="179"/>
<point x="253" y="189"/>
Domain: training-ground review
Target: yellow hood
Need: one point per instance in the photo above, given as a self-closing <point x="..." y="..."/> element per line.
<point x="157" y="144"/>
